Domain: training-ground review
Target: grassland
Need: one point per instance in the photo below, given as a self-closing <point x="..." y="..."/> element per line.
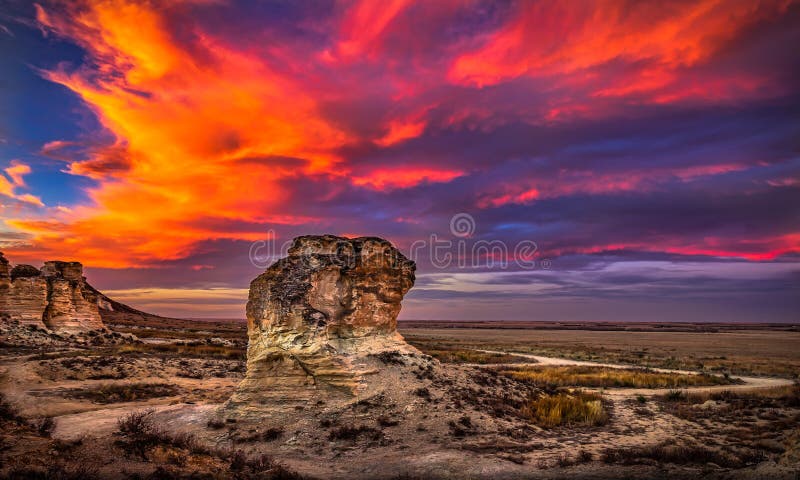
<point x="737" y="352"/>
<point x="602" y="377"/>
<point x="461" y="355"/>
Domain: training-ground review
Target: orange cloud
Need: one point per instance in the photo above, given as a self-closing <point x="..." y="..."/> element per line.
<point x="389" y="179"/>
<point x="9" y="185"/>
<point x="566" y="38"/>
<point x="16" y="171"/>
<point x="182" y="121"/>
<point x="400" y="131"/>
<point x="364" y="23"/>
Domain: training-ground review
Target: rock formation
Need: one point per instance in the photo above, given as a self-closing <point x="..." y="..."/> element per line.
<point x="55" y="297"/>
<point x="318" y="320"/>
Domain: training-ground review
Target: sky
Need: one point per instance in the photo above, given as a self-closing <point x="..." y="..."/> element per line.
<point x="540" y="160"/>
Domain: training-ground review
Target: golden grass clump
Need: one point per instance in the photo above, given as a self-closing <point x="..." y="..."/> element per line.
<point x="576" y="408"/>
<point x="603" y="377"/>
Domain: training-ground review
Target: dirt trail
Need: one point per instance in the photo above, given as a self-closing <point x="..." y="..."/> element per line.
<point x="750" y="383"/>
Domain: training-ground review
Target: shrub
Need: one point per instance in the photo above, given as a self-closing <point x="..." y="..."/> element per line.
<point x="7" y="411"/>
<point x="44" y="426"/>
<point x="385" y="421"/>
<point x="271" y="434"/>
<point x="391" y="357"/>
<point x="140" y="433"/>
<point x="349" y="432"/>
<point x="675" y="396"/>
<point x="422" y="392"/>
<point x="215" y="424"/>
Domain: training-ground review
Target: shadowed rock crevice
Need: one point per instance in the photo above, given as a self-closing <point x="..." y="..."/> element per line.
<point x="317" y="319"/>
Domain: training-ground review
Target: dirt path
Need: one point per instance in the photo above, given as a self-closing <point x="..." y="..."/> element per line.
<point x="750" y="383"/>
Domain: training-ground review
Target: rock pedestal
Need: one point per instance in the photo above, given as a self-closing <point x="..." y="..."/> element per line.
<point x="55" y="297"/>
<point x="318" y="318"/>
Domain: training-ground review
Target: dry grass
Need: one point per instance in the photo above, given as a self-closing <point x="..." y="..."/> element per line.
<point x="128" y="392"/>
<point x="602" y="377"/>
<point x="456" y="355"/>
<point x="736" y="405"/>
<point x="740" y="353"/>
<point x="576" y="408"/>
<point x="184" y="350"/>
<point x="139" y="434"/>
<point x="776" y="397"/>
<point x="681" y="454"/>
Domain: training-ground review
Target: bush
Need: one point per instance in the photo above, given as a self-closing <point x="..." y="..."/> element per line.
<point x="215" y="424"/>
<point x="141" y="434"/>
<point x="8" y="412"/>
<point x="349" y="432"/>
<point x="675" y="396"/>
<point x="271" y="434"/>
<point x="44" y="426"/>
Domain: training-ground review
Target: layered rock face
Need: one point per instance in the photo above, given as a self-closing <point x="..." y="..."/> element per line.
<point x="55" y="297"/>
<point x="318" y="318"/>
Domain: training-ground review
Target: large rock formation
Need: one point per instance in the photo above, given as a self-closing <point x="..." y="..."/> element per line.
<point x="318" y="320"/>
<point x="55" y="297"/>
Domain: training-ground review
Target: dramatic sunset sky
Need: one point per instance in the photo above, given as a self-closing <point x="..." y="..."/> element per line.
<point x="651" y="149"/>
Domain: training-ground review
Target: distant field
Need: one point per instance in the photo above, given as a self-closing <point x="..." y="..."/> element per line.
<point x="753" y="352"/>
<point x="602" y="377"/>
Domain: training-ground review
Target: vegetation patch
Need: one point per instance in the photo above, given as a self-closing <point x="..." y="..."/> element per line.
<point x="197" y="350"/>
<point x="604" y="377"/>
<point x="575" y="408"/>
<point x="456" y="355"/>
<point x="680" y="454"/>
<point x="350" y="432"/>
<point x="128" y="392"/>
<point x="762" y="404"/>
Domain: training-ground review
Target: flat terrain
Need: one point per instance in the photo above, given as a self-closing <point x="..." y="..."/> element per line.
<point x="771" y="352"/>
<point x="525" y="402"/>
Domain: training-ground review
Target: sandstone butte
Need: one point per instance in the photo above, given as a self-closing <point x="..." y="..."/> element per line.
<point x="321" y="322"/>
<point x="56" y="297"/>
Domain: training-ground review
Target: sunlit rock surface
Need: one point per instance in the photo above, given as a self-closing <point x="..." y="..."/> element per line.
<point x="319" y="318"/>
<point x="55" y="297"/>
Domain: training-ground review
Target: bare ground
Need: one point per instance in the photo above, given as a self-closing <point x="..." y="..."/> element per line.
<point x="409" y="434"/>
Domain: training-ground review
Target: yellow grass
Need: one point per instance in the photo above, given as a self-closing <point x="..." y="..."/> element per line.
<point x="602" y="377"/>
<point x="579" y="408"/>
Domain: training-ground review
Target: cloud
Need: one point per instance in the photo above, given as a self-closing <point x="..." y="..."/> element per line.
<point x="648" y="128"/>
<point x="14" y="180"/>
<point x="387" y="179"/>
<point x="554" y="38"/>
